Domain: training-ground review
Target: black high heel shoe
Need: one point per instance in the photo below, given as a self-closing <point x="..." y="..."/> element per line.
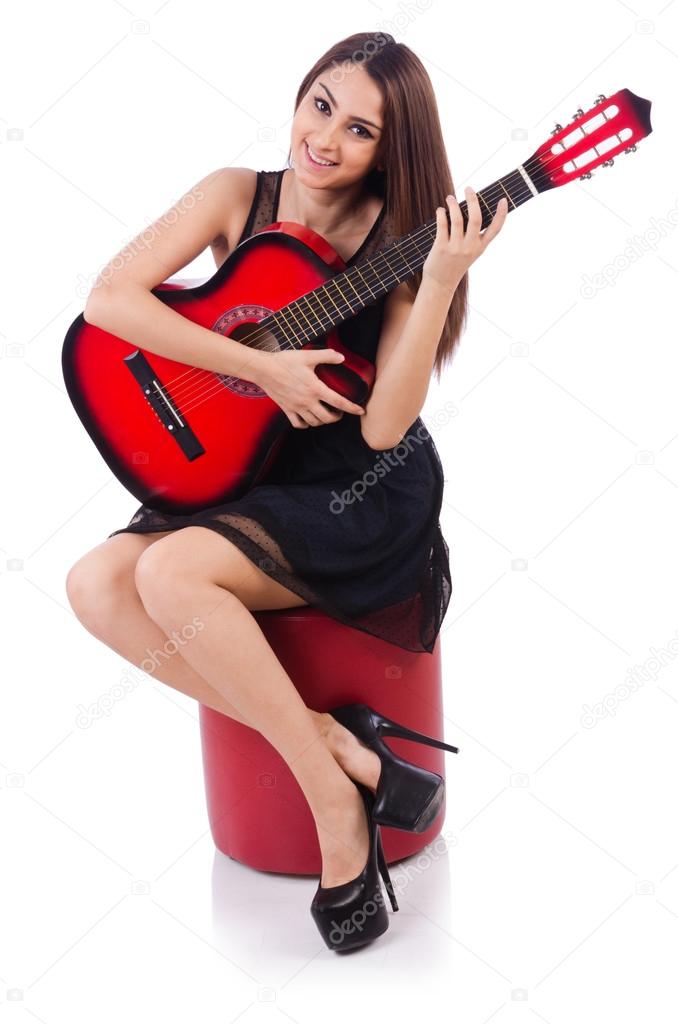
<point x="407" y="797"/>
<point x="353" y="913"/>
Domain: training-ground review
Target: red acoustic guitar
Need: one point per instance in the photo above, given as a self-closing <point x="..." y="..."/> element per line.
<point x="181" y="438"/>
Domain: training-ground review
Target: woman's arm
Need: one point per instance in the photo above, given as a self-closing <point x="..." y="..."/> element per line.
<point x="121" y="301"/>
<point x="133" y="313"/>
<point x="405" y="358"/>
<point x="400" y="387"/>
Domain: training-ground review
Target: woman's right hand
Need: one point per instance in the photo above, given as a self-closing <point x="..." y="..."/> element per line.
<point x="289" y="378"/>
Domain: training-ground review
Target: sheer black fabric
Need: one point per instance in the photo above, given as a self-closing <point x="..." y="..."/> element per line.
<point x="351" y="530"/>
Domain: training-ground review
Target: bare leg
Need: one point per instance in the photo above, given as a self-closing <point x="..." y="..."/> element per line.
<point x="103" y="594"/>
<point x="175" y="580"/>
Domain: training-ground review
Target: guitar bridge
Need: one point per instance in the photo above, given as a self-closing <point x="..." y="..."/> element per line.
<point x="164" y="407"/>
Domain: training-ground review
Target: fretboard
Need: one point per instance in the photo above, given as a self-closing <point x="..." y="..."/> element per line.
<point x="348" y="292"/>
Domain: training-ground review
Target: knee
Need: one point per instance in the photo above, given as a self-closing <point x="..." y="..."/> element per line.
<point x="155" y="578"/>
<point x="93" y="586"/>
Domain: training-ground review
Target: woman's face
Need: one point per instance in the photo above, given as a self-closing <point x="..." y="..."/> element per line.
<point x="332" y="119"/>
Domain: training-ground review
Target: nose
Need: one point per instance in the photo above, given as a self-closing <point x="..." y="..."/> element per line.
<point x="324" y="142"/>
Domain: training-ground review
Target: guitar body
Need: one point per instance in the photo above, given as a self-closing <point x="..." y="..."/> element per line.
<point x="181" y="438"/>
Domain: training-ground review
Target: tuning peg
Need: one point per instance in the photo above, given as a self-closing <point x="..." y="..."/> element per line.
<point x="588" y="174"/>
<point x="608" y="163"/>
<point x="599" y="99"/>
<point x="631" y="149"/>
<point x="579" y="113"/>
<point x="558" y="128"/>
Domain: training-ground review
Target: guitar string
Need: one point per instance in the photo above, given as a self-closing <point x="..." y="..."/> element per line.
<point x="199" y="384"/>
<point x="188" y="390"/>
<point x="424" y="229"/>
<point x="197" y="389"/>
<point x="408" y="249"/>
<point x="193" y="373"/>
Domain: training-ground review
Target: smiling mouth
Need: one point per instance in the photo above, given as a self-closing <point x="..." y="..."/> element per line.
<point x="313" y="159"/>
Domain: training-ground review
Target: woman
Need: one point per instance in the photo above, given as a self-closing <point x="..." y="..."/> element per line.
<point x="366" y="165"/>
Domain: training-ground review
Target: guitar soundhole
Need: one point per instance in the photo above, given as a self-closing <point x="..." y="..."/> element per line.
<point x="240" y="323"/>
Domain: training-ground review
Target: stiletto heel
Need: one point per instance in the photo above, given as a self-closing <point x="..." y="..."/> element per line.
<point x="383" y="870"/>
<point x="354" y="913"/>
<point x="408" y="797"/>
<point x="387" y="727"/>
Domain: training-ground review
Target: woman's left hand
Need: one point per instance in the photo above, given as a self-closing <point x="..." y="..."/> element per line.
<point x="453" y="251"/>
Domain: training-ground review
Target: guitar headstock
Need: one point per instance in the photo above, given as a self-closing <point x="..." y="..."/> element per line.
<point x="593" y="138"/>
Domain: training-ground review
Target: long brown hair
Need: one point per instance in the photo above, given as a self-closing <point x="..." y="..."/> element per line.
<point x="416" y="175"/>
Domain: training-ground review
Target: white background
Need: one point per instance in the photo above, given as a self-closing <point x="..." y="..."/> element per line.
<point x="557" y="898"/>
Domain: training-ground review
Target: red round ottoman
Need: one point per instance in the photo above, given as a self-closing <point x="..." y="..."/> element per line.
<point x="257" y="811"/>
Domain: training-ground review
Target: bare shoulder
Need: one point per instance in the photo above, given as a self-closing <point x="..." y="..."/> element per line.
<point x="208" y="215"/>
<point x="238" y="185"/>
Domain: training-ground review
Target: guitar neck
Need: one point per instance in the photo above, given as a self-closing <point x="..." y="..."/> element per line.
<point x="314" y="314"/>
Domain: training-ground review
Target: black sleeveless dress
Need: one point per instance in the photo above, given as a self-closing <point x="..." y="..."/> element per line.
<point x="351" y="530"/>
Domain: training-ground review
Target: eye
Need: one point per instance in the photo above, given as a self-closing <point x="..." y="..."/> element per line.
<point x="367" y="135"/>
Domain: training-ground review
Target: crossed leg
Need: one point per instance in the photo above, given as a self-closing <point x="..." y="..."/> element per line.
<point x="195" y="576"/>
<point x="102" y="591"/>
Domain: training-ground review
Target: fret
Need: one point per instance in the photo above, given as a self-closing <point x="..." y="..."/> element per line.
<point x="512" y="187"/>
<point x="528" y="185"/>
<point x="349" y="281"/>
<point x="291" y="320"/>
<point x="392" y="266"/>
<point x="369" y="287"/>
<point x="385" y="259"/>
<point x="325" y="289"/>
<point x="428" y="248"/>
<point x="301" y="310"/>
<point x="319" y="310"/>
<point x="281" y="322"/>
<point x="307" y="300"/>
<point x="305" y="308"/>
<point x="336" y="283"/>
<point x="485" y="210"/>
<point x="348" y="292"/>
<point x="517" y="188"/>
<point x="415" y="251"/>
